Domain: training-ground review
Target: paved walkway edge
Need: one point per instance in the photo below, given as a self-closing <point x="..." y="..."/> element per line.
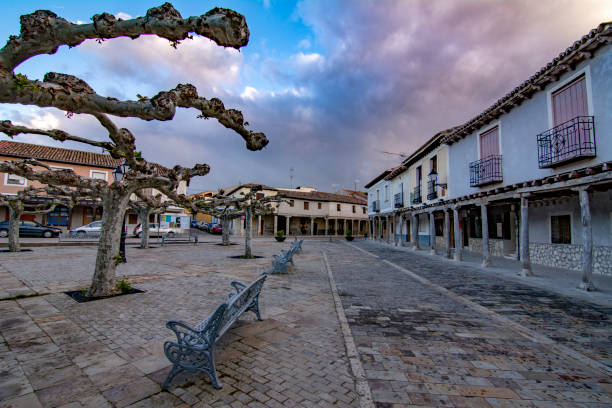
<point x="361" y="383"/>
<point x="524" y="331"/>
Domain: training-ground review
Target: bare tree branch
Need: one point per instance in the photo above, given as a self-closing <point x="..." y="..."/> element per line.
<point x="43" y="32"/>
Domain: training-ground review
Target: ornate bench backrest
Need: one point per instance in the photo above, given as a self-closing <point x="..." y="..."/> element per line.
<point x="239" y="302"/>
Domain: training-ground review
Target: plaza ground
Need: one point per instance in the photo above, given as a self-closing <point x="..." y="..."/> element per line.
<point x="352" y="324"/>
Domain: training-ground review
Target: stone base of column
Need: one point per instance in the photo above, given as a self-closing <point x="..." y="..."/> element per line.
<point x="432" y="251"/>
<point x="486" y="263"/>
<point x="457" y="256"/>
<point x="587" y="286"/>
<point x="525" y="272"/>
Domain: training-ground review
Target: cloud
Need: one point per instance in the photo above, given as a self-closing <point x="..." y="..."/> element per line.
<point x="123" y="16"/>
<point x="305" y="43"/>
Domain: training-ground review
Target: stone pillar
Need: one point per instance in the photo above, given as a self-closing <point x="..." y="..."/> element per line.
<point x="447" y="237"/>
<point x="486" y="253"/>
<point x="345" y="226"/>
<point x="388" y="232"/>
<point x="336" y="226"/>
<point x="458" y="236"/>
<point x="401" y="230"/>
<point x="415" y="231"/>
<point x="524" y="239"/>
<point x="517" y="231"/>
<point x="311" y="226"/>
<point x="287" y="225"/>
<point x="371" y="227"/>
<point x="432" y="233"/>
<point x="275" y="224"/>
<point x="259" y="232"/>
<point x="326" y="225"/>
<point x="587" y="241"/>
<point x="379" y="235"/>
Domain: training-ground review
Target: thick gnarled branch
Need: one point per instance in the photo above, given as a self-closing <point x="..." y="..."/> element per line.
<point x="43" y="32"/>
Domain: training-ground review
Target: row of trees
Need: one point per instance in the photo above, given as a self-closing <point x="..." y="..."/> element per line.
<point x="43" y="32"/>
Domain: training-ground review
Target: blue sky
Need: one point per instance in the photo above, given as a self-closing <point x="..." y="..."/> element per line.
<point x="330" y="82"/>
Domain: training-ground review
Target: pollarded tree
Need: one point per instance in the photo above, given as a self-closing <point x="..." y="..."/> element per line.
<point x="32" y="200"/>
<point x="43" y="32"/>
<point x="145" y="205"/>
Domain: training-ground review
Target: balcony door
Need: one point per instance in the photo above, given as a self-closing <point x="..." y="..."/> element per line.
<point x="570" y="102"/>
<point x="489" y="143"/>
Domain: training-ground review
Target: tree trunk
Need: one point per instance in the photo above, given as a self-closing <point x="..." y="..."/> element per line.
<point x="144" y="213"/>
<point x="247" y="235"/>
<point x="225" y="239"/>
<point x="15" y="212"/>
<point x="114" y="206"/>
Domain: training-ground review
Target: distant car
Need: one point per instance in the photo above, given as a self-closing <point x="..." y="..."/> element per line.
<point x="154" y="231"/>
<point x="30" y="229"/>
<point x="194" y="224"/>
<point x="91" y="229"/>
<point x="203" y="226"/>
<point x="216" y="229"/>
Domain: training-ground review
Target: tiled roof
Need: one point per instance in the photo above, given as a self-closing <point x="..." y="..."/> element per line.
<point x="357" y="193"/>
<point x="320" y="196"/>
<point x="581" y="50"/>
<point x="70" y="156"/>
<point x="57" y="154"/>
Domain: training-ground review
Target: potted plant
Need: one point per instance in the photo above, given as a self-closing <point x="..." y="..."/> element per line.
<point x="280" y="236"/>
<point x="349" y="236"/>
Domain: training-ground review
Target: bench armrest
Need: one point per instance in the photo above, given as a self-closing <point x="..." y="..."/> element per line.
<point x="187" y="336"/>
<point x="238" y="286"/>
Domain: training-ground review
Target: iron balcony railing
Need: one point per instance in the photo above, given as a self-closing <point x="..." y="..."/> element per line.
<point x="431" y="190"/>
<point x="486" y="171"/>
<point x="416" y="195"/>
<point x="376" y="206"/>
<point x="398" y="200"/>
<point x="572" y="140"/>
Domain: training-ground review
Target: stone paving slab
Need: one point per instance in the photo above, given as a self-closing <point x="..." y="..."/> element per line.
<point x="56" y="352"/>
<point x="421" y="347"/>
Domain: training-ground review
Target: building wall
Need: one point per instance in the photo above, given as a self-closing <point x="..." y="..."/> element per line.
<point x="518" y="130"/>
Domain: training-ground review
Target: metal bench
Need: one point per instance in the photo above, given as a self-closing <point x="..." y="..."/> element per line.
<point x="173" y="237"/>
<point x="193" y="350"/>
<point x="297" y="245"/>
<point x="279" y="262"/>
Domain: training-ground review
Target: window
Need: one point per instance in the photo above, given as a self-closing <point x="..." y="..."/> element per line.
<point x="100" y="175"/>
<point x="306" y="205"/>
<point x="91" y="214"/>
<point x="419" y="176"/>
<point x="338" y="207"/>
<point x="319" y="206"/>
<point x="14" y="180"/>
<point x="354" y="209"/>
<point x="58" y="217"/>
<point x="259" y="196"/>
<point x="132" y="219"/>
<point x="433" y="164"/>
<point x="377" y="195"/>
<point x="386" y="193"/>
<point x="570" y="102"/>
<point x="364" y="209"/>
<point x="291" y="203"/>
<point x="489" y="143"/>
<point x="561" y="229"/>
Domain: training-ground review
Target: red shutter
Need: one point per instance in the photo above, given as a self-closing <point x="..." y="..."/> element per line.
<point x="570" y="102"/>
<point x="489" y="143"/>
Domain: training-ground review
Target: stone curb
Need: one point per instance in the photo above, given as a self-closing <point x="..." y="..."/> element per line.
<point x="361" y="383"/>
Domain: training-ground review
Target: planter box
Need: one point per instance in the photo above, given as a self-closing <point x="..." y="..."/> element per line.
<point x="280" y="239"/>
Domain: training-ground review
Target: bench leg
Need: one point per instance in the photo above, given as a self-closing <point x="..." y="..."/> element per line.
<point x="212" y="373"/>
<point x="175" y="370"/>
<point x="255" y="308"/>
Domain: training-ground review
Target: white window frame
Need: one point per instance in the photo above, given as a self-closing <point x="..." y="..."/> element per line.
<point x="557" y="214"/>
<point x="61" y="167"/>
<point x="91" y="172"/>
<point x="6" y="183"/>
<point x="586" y="71"/>
<point x="485" y="130"/>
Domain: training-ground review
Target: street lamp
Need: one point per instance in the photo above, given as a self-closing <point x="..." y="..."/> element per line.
<point x="433" y="178"/>
<point x="119" y="174"/>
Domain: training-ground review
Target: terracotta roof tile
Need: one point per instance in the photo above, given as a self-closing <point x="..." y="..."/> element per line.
<point x="57" y="154"/>
<point x="321" y="196"/>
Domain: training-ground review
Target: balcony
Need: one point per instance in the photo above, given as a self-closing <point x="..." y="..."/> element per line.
<point x="572" y="140"/>
<point x="376" y="206"/>
<point x="398" y="200"/>
<point x="416" y="195"/>
<point x="486" y="171"/>
<point x="432" y="194"/>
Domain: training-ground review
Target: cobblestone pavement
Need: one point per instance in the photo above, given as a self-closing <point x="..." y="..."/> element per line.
<point x="56" y="352"/>
<point x="430" y="333"/>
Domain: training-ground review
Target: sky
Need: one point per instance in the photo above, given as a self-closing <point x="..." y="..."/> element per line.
<point x="333" y="84"/>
